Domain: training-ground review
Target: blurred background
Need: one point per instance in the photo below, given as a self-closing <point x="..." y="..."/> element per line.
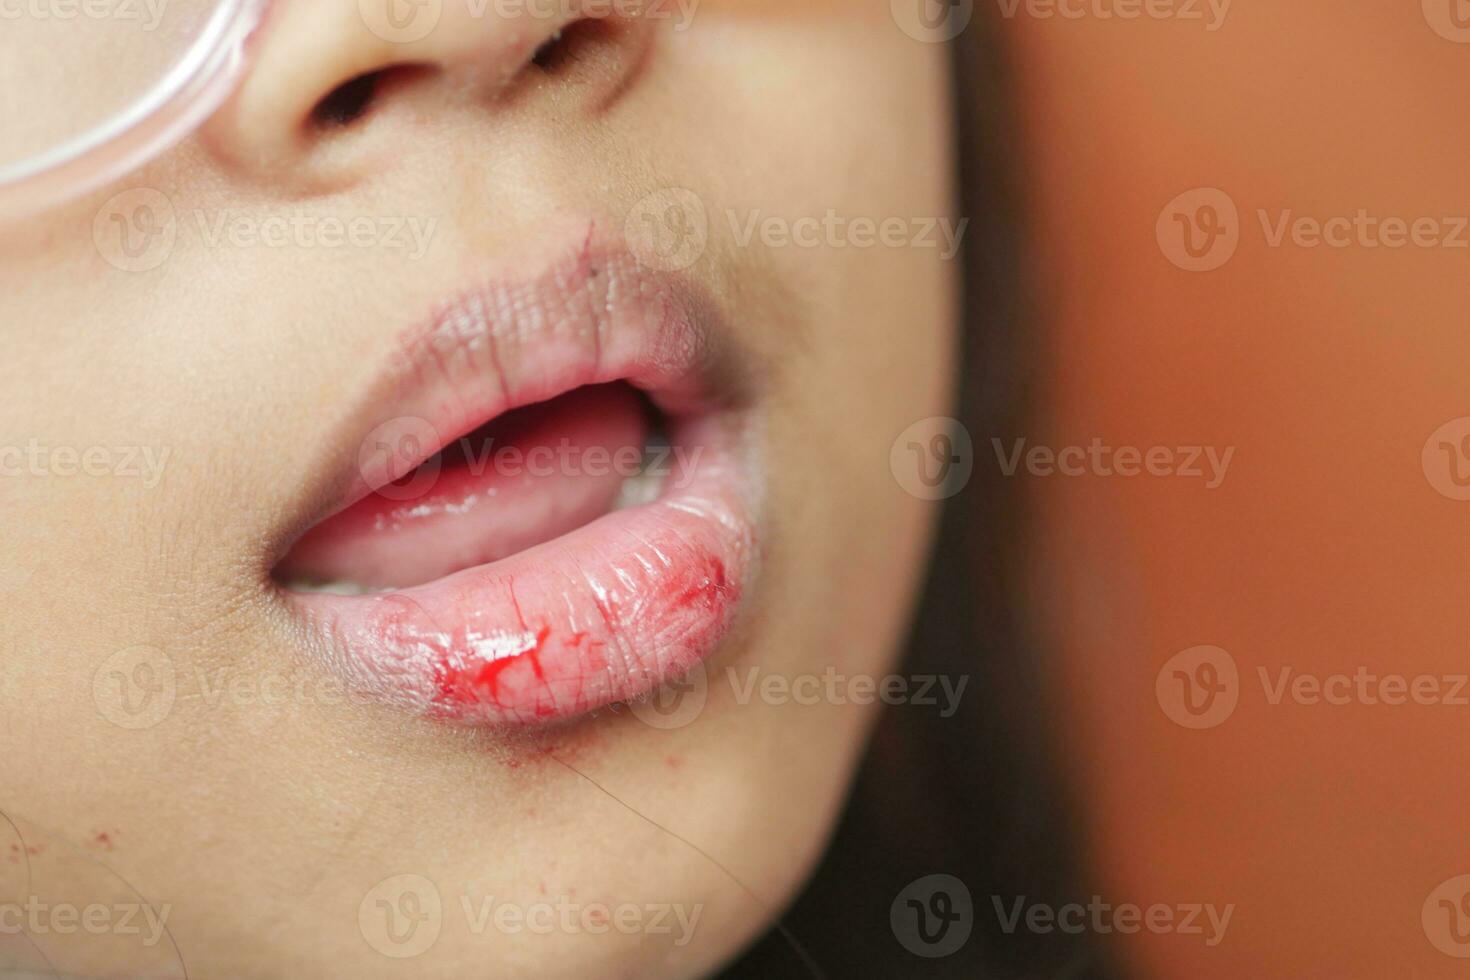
<point x="1207" y="573"/>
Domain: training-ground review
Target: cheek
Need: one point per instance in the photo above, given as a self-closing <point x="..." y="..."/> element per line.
<point x="850" y="231"/>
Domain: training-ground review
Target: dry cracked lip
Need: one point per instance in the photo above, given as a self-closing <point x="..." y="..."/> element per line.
<point x="598" y="609"/>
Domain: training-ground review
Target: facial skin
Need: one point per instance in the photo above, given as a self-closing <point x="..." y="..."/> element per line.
<point x="261" y="809"/>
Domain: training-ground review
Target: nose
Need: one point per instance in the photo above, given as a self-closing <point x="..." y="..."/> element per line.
<point x="328" y="72"/>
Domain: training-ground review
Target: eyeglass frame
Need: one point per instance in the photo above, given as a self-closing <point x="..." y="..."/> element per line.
<point x="168" y="112"/>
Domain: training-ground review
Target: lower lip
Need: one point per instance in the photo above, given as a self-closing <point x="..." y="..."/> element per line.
<point x="602" y="615"/>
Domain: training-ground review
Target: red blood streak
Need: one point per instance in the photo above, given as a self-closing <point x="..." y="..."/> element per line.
<point x="482" y="683"/>
<point x="707" y="590"/>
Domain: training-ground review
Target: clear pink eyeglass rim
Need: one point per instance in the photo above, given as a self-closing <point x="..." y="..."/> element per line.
<point x="168" y="112"/>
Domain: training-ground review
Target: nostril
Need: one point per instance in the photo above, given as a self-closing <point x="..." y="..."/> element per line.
<point x="547" y="53"/>
<point x="348" y="102"/>
<point x="355" y="98"/>
<point x="570" y="44"/>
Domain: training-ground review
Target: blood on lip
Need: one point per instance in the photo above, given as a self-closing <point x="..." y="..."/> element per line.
<point x="469" y="684"/>
<point x="708" y="591"/>
<point x="606" y="611"/>
<point x="516" y="683"/>
<point x="694" y="608"/>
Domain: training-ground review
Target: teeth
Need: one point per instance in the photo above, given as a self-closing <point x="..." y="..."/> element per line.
<point x="648" y="484"/>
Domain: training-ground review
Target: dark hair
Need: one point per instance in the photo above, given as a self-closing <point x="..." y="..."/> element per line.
<point x="977" y="795"/>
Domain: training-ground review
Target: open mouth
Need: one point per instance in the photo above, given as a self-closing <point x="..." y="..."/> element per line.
<point x="523" y="479"/>
<point x="550" y="506"/>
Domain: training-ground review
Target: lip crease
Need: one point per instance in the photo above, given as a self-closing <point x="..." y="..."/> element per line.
<point x="605" y="613"/>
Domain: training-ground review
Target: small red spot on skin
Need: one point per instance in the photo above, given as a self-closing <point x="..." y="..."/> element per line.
<point x="103" y="839"/>
<point x="674" y="762"/>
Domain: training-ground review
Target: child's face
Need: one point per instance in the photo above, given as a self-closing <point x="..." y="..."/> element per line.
<point x="743" y="208"/>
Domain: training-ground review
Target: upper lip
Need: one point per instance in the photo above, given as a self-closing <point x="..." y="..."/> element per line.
<point x="604" y="613"/>
<point x="504" y="343"/>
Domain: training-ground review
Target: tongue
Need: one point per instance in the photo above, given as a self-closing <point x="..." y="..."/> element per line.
<point x="528" y="477"/>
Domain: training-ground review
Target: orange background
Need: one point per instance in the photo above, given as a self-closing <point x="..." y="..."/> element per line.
<point x="1327" y="548"/>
